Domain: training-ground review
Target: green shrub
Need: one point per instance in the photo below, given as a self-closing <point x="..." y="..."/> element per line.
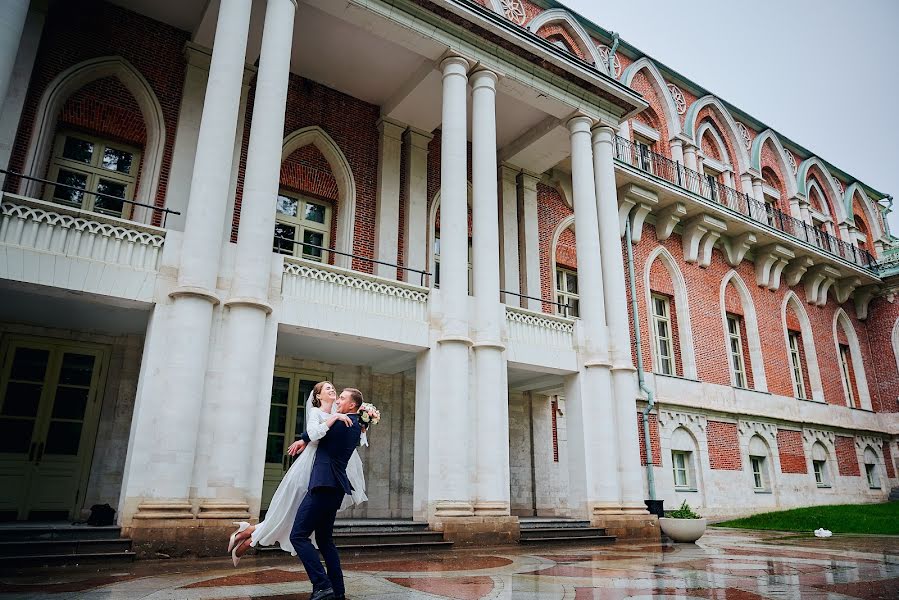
<point x="684" y="512"/>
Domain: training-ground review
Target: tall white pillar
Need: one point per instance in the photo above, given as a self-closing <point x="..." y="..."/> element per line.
<point x="12" y="22"/>
<point x="691" y="162"/>
<point x="492" y="493"/>
<point x="677" y="150"/>
<point x="415" y="233"/>
<point x="529" y="239"/>
<point x="510" y="275"/>
<point x="593" y="453"/>
<point x="233" y="400"/>
<point x="624" y="381"/>
<point x="387" y="212"/>
<point x="451" y="432"/>
<point x="758" y="192"/>
<point x="162" y="449"/>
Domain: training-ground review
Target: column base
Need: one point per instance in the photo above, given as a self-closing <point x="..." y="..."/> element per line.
<point x="491" y="509"/>
<point x="481" y="531"/>
<point x="629" y="526"/>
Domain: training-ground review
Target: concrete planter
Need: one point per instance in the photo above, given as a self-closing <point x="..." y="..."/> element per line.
<point x="682" y="530"/>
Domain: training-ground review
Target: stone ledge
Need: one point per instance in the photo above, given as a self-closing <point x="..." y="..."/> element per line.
<point x="483" y="531"/>
<point x="629" y="527"/>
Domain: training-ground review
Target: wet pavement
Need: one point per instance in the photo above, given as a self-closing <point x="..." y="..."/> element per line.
<point x="724" y="565"/>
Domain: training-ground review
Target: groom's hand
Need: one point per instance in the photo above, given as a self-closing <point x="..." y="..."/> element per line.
<point x="296" y="447"/>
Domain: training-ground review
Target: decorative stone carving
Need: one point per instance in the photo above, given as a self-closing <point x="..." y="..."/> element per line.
<point x="671" y="420"/>
<point x="635" y="203"/>
<point x="792" y="160"/>
<point x="680" y="103"/>
<point x="699" y="237"/>
<point x="796" y="269"/>
<point x="616" y="64"/>
<point x="537" y="320"/>
<point x="735" y="248"/>
<point x="863" y="441"/>
<point x="667" y="218"/>
<point x="863" y="297"/>
<point x="514" y="11"/>
<point x="844" y="287"/>
<point x="744" y="135"/>
<point x="818" y="281"/>
<point x="767" y="431"/>
<point x="356" y="282"/>
<point x="839" y="185"/>
<point x="770" y="262"/>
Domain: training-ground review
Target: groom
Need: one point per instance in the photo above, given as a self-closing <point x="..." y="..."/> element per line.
<point x="328" y="484"/>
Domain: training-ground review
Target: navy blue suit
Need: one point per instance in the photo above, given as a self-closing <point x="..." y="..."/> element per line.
<point x="328" y="485"/>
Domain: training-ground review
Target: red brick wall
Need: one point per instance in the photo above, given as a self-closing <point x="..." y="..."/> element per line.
<point x="724" y="446"/>
<point x="880" y="367"/>
<point x="847" y="459"/>
<point x="888" y="460"/>
<point x="653" y="438"/>
<point x="78" y="31"/>
<point x="791" y="450"/>
<point x="551" y="211"/>
<point x="711" y="115"/>
<point x="654" y="115"/>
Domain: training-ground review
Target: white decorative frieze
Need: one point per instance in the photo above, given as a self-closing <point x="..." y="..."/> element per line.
<point x="792" y="160"/>
<point x="744" y="135"/>
<point x="767" y="431"/>
<point x="680" y="102"/>
<point x="539" y="330"/>
<point x="527" y="317"/>
<point x="355" y="281"/>
<point x="670" y="420"/>
<point x="839" y="185"/>
<point x="514" y="11"/>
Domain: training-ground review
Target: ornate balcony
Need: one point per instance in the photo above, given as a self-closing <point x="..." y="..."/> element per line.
<point x="540" y="339"/>
<point x="710" y="191"/>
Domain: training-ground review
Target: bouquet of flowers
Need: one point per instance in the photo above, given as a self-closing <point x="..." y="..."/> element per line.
<point x="369" y="415"/>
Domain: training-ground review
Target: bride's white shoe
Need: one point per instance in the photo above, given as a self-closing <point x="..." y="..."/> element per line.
<point x="241" y="527"/>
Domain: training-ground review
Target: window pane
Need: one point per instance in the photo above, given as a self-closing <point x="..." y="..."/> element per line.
<point x="571" y="280"/>
<point x="72" y="179"/>
<point x="110" y="205"/>
<point x="63" y="438"/>
<point x="286" y="206"/>
<point x="274" y="448"/>
<point x="117" y="160"/>
<point x="70" y="403"/>
<point x="315" y="212"/>
<point x="15" y="435"/>
<point x="277" y="419"/>
<point x="316" y="238"/>
<point x="280" y="390"/>
<point x="284" y="235"/>
<point x="22" y="399"/>
<point x="76" y="149"/>
<point x="574" y="309"/>
<point x="29" y="364"/>
<point x="77" y="369"/>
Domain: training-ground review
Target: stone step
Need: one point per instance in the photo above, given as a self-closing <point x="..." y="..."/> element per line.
<point x="60" y="547"/>
<point x="599" y="539"/>
<point x="13" y="532"/>
<point x="370" y="538"/>
<point x="544" y="522"/>
<point x="47" y="560"/>
<point x="377" y="526"/>
<point x="551" y="532"/>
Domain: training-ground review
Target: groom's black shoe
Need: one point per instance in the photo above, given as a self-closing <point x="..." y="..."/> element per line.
<point x="323" y="594"/>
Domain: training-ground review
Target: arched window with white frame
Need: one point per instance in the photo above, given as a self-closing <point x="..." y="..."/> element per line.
<point x="850" y="362"/>
<point x="872" y="468"/>
<point x="821" y="468"/>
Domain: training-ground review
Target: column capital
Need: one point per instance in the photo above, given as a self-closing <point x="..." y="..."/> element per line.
<point x="579" y="124"/>
<point x="453" y="64"/>
<point x="483" y="78"/>
<point x="508" y="172"/>
<point x="387" y="127"/>
<point x="418" y="138"/>
<point x="603" y="134"/>
<point x="529" y="180"/>
<point x="676" y="142"/>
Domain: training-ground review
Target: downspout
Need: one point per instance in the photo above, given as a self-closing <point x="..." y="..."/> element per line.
<point x="616" y="39"/>
<point x="650" y="397"/>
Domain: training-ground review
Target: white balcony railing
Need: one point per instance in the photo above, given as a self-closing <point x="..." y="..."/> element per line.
<point x="539" y="329"/>
<point x="47" y="229"/>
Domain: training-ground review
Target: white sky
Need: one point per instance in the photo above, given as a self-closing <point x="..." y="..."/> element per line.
<point x="824" y="73"/>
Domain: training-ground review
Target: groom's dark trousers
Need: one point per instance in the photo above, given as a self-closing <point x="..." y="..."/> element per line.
<point x="328" y="485"/>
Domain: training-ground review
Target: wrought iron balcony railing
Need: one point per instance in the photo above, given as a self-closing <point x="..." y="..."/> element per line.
<point x="711" y="190"/>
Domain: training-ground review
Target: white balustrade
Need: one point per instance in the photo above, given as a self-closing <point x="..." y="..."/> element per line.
<point x="353" y="291"/>
<point x="53" y="229"/>
<point x="539" y="329"/>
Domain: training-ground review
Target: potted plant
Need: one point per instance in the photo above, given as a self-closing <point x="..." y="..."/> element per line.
<point x="682" y="524"/>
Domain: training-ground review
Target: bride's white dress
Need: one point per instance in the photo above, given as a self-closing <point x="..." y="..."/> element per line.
<point x="282" y="510"/>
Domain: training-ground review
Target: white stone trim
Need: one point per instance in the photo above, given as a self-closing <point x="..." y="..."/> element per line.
<point x="690" y="128"/>
<point x="566" y="223"/>
<point x="580" y="35"/>
<point x="788" y="169"/>
<point x="644" y="130"/>
<point x="808" y="344"/>
<point x="841" y="319"/>
<point x="672" y="118"/>
<point x="346" y="184"/>
<point x="73" y="79"/>
<point x="803" y="178"/>
<point x="750" y="319"/>
<point x="682" y="307"/>
<point x="868" y="206"/>
<point x="722" y="165"/>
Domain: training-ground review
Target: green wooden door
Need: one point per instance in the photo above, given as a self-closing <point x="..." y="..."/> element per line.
<point x="286" y="421"/>
<point x="49" y="407"/>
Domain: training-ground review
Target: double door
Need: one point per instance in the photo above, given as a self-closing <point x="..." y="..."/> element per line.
<point x="49" y="408"/>
<point x="286" y="421"/>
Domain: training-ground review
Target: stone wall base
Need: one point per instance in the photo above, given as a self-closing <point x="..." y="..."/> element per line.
<point x="182" y="538"/>
<point x="629" y="527"/>
<point x="483" y="531"/>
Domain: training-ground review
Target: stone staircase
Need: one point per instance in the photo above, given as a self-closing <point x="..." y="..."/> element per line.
<point x="39" y="544"/>
<point x="358" y="536"/>
<point x="545" y="530"/>
<point x="894" y="494"/>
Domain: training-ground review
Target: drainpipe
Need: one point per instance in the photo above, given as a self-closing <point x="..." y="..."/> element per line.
<point x="650" y="397"/>
<point x="615" y="41"/>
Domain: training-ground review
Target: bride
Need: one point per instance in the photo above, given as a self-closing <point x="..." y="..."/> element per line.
<point x="282" y="510"/>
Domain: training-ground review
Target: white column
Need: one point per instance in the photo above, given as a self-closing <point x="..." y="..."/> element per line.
<point x="529" y="238"/>
<point x="593" y="463"/>
<point x="624" y="381"/>
<point x="758" y="191"/>
<point x="451" y="430"/>
<point x="415" y="233"/>
<point x="510" y="275"/>
<point x="12" y="22"/>
<point x="162" y="448"/>
<point x="677" y="150"/>
<point x="19" y="80"/>
<point x="492" y="416"/>
<point x="234" y="401"/>
<point x="387" y="212"/>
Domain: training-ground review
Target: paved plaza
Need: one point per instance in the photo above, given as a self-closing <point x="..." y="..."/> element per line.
<point x="725" y="564"/>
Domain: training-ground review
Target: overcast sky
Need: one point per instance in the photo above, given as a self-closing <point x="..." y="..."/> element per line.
<point x="824" y="73"/>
